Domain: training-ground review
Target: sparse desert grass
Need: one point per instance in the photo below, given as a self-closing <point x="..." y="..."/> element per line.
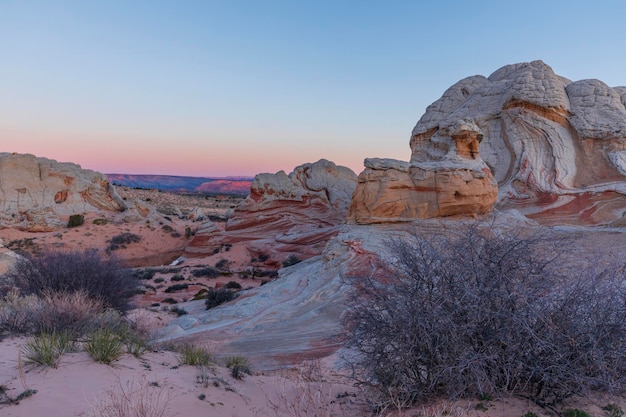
<point x="135" y="343"/>
<point x="104" y="346"/>
<point x="204" y="373"/>
<point x="194" y="355"/>
<point x="46" y="348"/>
<point x="613" y="410"/>
<point x="238" y="365"/>
<point x="136" y="398"/>
<point x="305" y="395"/>
<point x="74" y="313"/>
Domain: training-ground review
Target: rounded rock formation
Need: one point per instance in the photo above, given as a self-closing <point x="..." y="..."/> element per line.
<point x="445" y="177"/>
<point x="38" y="194"/>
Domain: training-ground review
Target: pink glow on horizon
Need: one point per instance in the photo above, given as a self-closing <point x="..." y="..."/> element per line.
<point x="141" y="157"/>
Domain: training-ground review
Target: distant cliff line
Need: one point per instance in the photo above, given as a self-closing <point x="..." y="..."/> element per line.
<point x="172" y="183"/>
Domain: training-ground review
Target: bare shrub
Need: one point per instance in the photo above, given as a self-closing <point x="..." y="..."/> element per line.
<point x="75" y="313"/>
<point x="215" y="297"/>
<point x="305" y="395"/>
<point x="208" y="272"/>
<point x="17" y="313"/>
<point x="66" y="272"/>
<point x="136" y="398"/>
<point x="120" y="241"/>
<point x="482" y="312"/>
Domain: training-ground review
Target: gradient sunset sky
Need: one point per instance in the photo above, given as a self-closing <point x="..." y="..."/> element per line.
<point x="217" y="88"/>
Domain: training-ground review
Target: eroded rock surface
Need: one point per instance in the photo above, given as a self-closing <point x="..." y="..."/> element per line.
<point x="286" y="214"/>
<point x="547" y="139"/>
<point x="38" y="194"/>
<point x="446" y="177"/>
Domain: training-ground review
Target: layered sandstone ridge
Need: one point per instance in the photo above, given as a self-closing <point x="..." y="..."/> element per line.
<point x="455" y="182"/>
<point x="543" y="134"/>
<point x="286" y="214"/>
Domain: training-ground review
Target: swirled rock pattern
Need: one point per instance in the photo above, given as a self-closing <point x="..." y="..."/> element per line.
<point x="548" y="140"/>
<point x="556" y="148"/>
<point x="286" y="214"/>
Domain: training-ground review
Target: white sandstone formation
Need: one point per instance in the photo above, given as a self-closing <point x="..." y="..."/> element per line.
<point x="542" y="132"/>
<point x="39" y="194"/>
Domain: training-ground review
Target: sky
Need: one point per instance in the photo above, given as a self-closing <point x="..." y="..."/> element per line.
<point x="235" y="88"/>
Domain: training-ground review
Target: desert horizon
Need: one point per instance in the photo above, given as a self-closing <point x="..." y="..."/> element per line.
<point x="324" y="292"/>
<point x="312" y="209"/>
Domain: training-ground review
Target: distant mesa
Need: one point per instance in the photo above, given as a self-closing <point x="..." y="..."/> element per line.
<point x="227" y="185"/>
<point x="286" y="214"/>
<point x="556" y="148"/>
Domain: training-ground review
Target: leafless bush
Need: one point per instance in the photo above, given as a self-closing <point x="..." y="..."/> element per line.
<point x="65" y="272"/>
<point x="75" y="313"/>
<point x="136" y="398"/>
<point x="305" y="395"/>
<point x="17" y="313"/>
<point x="482" y="312"/>
<point x="72" y="313"/>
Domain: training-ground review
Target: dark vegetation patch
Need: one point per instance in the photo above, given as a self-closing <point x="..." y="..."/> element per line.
<point x="207" y="272"/>
<point x="101" y="278"/>
<point x="475" y="312"/>
<point x="215" y="297"/>
<point x="176" y="287"/>
<point x="122" y="240"/>
<point x="75" y="220"/>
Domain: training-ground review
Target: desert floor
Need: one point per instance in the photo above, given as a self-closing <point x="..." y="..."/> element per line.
<point x="81" y="387"/>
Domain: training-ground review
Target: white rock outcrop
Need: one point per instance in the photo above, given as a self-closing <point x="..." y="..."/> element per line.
<point x="542" y="132"/>
<point x="557" y="148"/>
<point x="38" y="194"/>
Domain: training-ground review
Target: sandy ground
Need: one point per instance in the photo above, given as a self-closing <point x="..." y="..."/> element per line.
<point x="79" y="384"/>
<point x="81" y="387"/>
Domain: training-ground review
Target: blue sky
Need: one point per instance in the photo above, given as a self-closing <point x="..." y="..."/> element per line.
<point x="240" y="87"/>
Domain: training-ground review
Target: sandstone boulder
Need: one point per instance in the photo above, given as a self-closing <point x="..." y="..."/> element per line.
<point x="547" y="140"/>
<point x="445" y="177"/>
<point x="286" y="214"/>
